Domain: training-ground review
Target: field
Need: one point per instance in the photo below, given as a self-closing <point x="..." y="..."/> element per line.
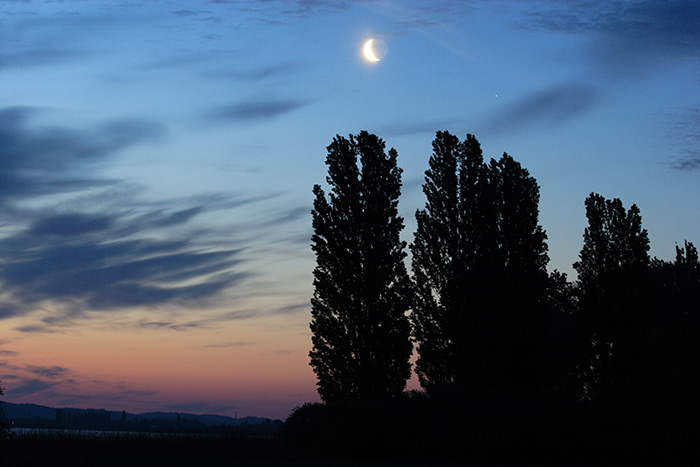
<point x="54" y="447"/>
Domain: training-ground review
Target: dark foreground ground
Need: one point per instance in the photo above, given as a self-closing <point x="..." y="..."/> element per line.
<point x="396" y="433"/>
<point x="113" y="449"/>
<point x="65" y="448"/>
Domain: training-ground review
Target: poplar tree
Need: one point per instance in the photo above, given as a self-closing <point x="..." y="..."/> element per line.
<point x="362" y="292"/>
<point x="612" y="286"/>
<point x="450" y="237"/>
<point x="479" y="259"/>
<point x="614" y="241"/>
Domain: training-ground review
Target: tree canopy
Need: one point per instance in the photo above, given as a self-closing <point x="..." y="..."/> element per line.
<point x="479" y="265"/>
<point x="612" y="288"/>
<point x="361" y="333"/>
<point x="512" y="358"/>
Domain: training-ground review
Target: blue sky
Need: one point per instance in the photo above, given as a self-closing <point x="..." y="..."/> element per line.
<point x="157" y="160"/>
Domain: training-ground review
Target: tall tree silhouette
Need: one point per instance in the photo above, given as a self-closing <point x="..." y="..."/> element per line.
<point x="479" y="259"/>
<point x="444" y="251"/>
<point x="614" y="240"/>
<point x="612" y="278"/>
<point x="361" y="333"/>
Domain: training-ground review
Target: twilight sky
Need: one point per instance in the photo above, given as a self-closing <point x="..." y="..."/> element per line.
<point x="157" y="160"/>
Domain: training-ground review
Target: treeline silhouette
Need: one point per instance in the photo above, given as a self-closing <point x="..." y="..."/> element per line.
<point x="517" y="364"/>
<point x="3" y="426"/>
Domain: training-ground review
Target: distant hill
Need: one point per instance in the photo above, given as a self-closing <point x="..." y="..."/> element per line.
<point x="40" y="412"/>
<point x="28" y="411"/>
<point x="207" y="419"/>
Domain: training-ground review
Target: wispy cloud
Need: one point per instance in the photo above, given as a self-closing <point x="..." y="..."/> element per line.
<point x="624" y="41"/>
<point x="30" y="387"/>
<point x="8" y="310"/>
<point x="111" y="274"/>
<point x="39" y="37"/>
<point x="34" y="328"/>
<point x="170" y="325"/>
<point x="116" y="396"/>
<point x="546" y="108"/>
<point x="239" y="315"/>
<point x="295" y="308"/>
<point x="291" y="214"/>
<point x="63" y="386"/>
<point x="690" y="161"/>
<point x="257" y="74"/>
<point x="45" y="54"/>
<point x="191" y="12"/>
<point x="36" y="160"/>
<point x="27" y="42"/>
<point x="684" y="128"/>
<point x="47" y="371"/>
<point x="229" y="344"/>
<point x="254" y="110"/>
<point x="271" y="10"/>
<point x="624" y="36"/>
<point x="110" y="250"/>
<point x="70" y="225"/>
<point x="403" y="128"/>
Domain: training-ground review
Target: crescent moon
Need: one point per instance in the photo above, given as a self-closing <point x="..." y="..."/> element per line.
<point x="369" y="53"/>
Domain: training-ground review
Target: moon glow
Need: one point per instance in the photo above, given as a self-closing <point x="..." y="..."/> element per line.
<point x="374" y="50"/>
